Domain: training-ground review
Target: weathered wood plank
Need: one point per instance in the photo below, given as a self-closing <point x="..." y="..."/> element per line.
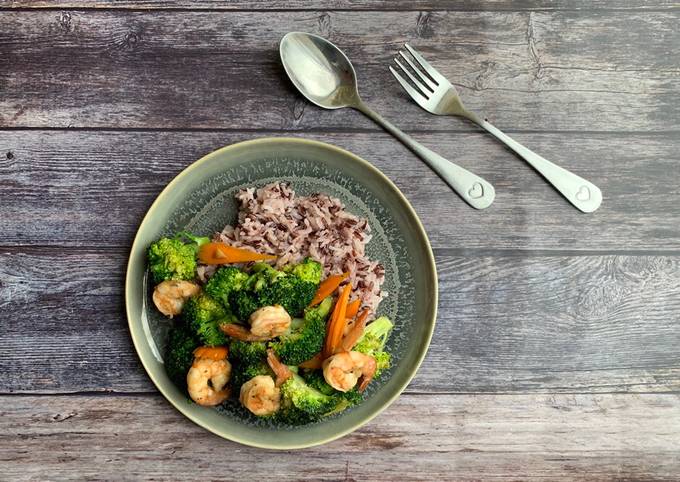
<point x="92" y="188"/>
<point x="506" y="324"/>
<point x="595" y="71"/>
<point x="391" y="5"/>
<point x="545" y="437"/>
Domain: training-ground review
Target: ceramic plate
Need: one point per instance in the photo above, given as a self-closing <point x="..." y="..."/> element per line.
<point x="201" y="199"/>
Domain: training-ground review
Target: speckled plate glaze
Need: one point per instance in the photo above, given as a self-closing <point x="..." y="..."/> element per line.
<point x="200" y="199"/>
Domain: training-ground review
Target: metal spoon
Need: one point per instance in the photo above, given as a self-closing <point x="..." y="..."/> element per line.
<point x="325" y="76"/>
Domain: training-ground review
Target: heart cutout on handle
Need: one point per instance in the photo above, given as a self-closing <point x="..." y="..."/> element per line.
<point x="476" y="191"/>
<point x="583" y="194"/>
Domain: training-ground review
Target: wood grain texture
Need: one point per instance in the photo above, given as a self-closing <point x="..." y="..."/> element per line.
<point x="390" y="5"/>
<point x="566" y="71"/>
<point x="490" y="437"/>
<point x="506" y="324"/>
<point x="92" y="188"/>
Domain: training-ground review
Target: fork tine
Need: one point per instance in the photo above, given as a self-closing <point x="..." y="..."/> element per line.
<point x="415" y="94"/>
<point x="424" y="77"/>
<point x="417" y="83"/>
<point x="424" y="64"/>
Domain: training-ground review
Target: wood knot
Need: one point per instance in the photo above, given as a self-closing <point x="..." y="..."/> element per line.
<point x="324" y="25"/>
<point x="423" y="27"/>
<point x="131" y="40"/>
<point x="9" y="155"/>
<point x="64" y="22"/>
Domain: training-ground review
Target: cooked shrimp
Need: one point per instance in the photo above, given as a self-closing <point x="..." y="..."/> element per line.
<point x="260" y="395"/>
<point x="169" y="296"/>
<point x="240" y="332"/>
<point x="266" y="323"/>
<point x="208" y="376"/>
<point x="343" y="370"/>
<point x="271" y="321"/>
<point x="281" y="371"/>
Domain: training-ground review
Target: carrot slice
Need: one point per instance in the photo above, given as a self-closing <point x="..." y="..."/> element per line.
<point x="353" y="308"/>
<point x="338" y="321"/>
<point x="220" y="253"/>
<point x="355" y="333"/>
<point x="327" y="287"/>
<point x="214" y="353"/>
<point x="313" y="363"/>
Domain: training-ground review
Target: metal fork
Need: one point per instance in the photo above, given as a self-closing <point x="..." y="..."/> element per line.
<point x="436" y="95"/>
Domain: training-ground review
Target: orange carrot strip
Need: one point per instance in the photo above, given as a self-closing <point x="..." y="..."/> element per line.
<point x="339" y="321"/>
<point x="214" y="353"/>
<point x="355" y="333"/>
<point x="313" y="363"/>
<point x="353" y="308"/>
<point x="220" y="253"/>
<point x="327" y="287"/>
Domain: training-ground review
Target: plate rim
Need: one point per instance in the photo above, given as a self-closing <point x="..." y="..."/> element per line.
<point x="186" y="172"/>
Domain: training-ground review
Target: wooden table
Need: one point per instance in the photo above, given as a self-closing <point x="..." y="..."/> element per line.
<point x="557" y="350"/>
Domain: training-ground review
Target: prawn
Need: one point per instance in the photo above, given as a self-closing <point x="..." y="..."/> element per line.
<point x="343" y="370"/>
<point x="266" y="323"/>
<point x="240" y="332"/>
<point x="281" y="371"/>
<point x="169" y="296"/>
<point x="208" y="376"/>
<point x="270" y="321"/>
<point x="260" y="395"/>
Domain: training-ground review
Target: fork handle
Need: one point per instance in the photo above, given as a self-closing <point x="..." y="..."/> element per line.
<point x="476" y="191"/>
<point x="583" y="194"/>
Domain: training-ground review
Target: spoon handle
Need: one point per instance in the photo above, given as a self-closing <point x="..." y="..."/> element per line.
<point x="583" y="194"/>
<point x="474" y="190"/>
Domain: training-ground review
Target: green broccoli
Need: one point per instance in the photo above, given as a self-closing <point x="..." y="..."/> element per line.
<point x="172" y="259"/>
<point x="247" y="353"/>
<point x="203" y="315"/>
<point x="261" y="275"/>
<point x="302" y="403"/>
<point x="179" y="354"/>
<point x="225" y="281"/>
<point x="291" y="292"/>
<point x="309" y="270"/>
<point x="243" y="303"/>
<point x="306" y="337"/>
<point x="195" y="241"/>
<point x="373" y="340"/>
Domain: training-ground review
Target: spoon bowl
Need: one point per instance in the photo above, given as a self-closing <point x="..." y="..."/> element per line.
<point x="319" y="70"/>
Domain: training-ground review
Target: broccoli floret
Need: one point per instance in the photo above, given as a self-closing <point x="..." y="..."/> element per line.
<point x="304" y="402"/>
<point x="225" y="281"/>
<point x="179" y="354"/>
<point x="373" y="340"/>
<point x="173" y="259"/>
<point x="291" y="292"/>
<point x="262" y="274"/>
<point x="309" y="270"/>
<point x="247" y="353"/>
<point x="203" y="315"/>
<point x="170" y="259"/>
<point x="305" y="340"/>
<point x="243" y="303"/>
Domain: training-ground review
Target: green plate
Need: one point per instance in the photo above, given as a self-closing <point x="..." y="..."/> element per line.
<point x="200" y="199"/>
